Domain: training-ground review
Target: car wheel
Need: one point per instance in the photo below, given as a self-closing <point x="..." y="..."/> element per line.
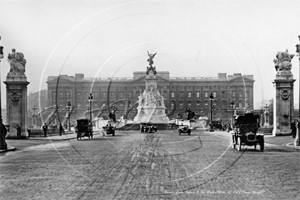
<point x="239" y="144"/>
<point x="262" y="144"/>
<point x="179" y="132"/>
<point x="233" y="142"/>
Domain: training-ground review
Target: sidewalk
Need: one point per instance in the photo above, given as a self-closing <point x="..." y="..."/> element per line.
<point x="68" y="135"/>
<point x="287" y="141"/>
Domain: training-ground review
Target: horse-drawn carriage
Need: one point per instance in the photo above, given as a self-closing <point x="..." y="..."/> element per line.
<point x="84" y="129"/>
<point x="245" y="132"/>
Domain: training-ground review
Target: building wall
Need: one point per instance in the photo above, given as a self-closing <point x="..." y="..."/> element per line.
<point x="179" y="93"/>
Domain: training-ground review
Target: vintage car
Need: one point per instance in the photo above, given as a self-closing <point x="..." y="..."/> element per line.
<point x="184" y="129"/>
<point x="246" y="132"/>
<point x="84" y="129"/>
<point x="148" y="127"/>
<point x="109" y="129"/>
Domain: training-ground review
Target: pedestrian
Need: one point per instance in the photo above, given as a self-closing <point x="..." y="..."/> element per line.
<point x="18" y="131"/>
<point x="294" y="128"/>
<point x="61" y="129"/>
<point x="45" y="129"/>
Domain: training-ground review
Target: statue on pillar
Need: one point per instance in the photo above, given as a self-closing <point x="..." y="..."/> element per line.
<point x="17" y="63"/>
<point x="150" y="60"/>
<point x="283" y="61"/>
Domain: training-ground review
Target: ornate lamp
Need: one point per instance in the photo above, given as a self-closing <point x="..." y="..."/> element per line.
<point x="90" y="101"/>
<point x="69" y="115"/>
<point x="211" y="98"/>
<point x="297" y="140"/>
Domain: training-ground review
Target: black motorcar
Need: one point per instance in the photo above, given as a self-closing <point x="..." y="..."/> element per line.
<point x="246" y="132"/>
<point x="184" y="129"/>
<point x="109" y="129"/>
<point x="84" y="129"/>
<point x="148" y="127"/>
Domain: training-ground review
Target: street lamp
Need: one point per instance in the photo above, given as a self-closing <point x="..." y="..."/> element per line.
<point x="211" y="98"/>
<point x="232" y="107"/>
<point x="91" y="100"/>
<point x="69" y="115"/>
<point x="34" y="116"/>
<point x="296" y="142"/>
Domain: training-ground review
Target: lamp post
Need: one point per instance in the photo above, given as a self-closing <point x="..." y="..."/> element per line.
<point x="232" y="105"/>
<point x="211" y="98"/>
<point x="3" y="145"/>
<point x="34" y="116"/>
<point x="90" y="101"/>
<point x="296" y="142"/>
<point x="69" y="115"/>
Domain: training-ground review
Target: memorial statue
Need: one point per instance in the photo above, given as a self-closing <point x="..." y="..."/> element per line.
<point x="17" y="63"/>
<point x="141" y="100"/>
<point x="150" y="59"/>
<point x="283" y="61"/>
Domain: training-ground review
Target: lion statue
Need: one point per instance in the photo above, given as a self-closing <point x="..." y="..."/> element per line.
<point x="283" y="61"/>
<point x="17" y="63"/>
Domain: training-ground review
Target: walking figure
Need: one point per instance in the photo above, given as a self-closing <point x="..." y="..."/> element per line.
<point x="61" y="129"/>
<point x="18" y="131"/>
<point x="294" y="128"/>
<point x="45" y="129"/>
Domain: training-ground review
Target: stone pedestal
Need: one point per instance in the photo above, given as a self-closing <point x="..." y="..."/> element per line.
<point x="16" y="104"/>
<point x="283" y="103"/>
<point x="151" y="103"/>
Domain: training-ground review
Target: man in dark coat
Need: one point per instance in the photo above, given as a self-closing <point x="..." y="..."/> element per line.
<point x="294" y="129"/>
<point x="61" y="129"/>
<point x="18" y="131"/>
<point x="45" y="129"/>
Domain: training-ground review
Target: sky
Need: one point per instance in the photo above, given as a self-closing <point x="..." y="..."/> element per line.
<point x="192" y="38"/>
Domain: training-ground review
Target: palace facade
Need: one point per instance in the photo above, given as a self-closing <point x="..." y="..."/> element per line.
<point x="179" y="93"/>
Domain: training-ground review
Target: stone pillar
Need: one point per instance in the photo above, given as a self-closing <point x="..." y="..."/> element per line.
<point x="284" y="103"/>
<point x="16" y="104"/>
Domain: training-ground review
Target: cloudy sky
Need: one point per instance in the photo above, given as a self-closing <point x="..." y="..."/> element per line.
<point x="192" y="38"/>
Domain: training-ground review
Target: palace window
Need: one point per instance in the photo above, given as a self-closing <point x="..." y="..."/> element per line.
<point x="189" y="94"/>
<point x="180" y="105"/>
<point x="197" y="94"/>
<point x="206" y="94"/>
<point x="172" y="94"/>
<point x="181" y="95"/>
<point x="215" y="94"/>
<point x="172" y="106"/>
<point x="241" y="93"/>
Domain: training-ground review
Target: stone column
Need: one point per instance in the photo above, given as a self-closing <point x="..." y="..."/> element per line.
<point x="284" y="94"/>
<point x="16" y="104"/>
<point x="284" y="103"/>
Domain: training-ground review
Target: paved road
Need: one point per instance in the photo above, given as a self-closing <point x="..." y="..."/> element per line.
<point x="163" y="165"/>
